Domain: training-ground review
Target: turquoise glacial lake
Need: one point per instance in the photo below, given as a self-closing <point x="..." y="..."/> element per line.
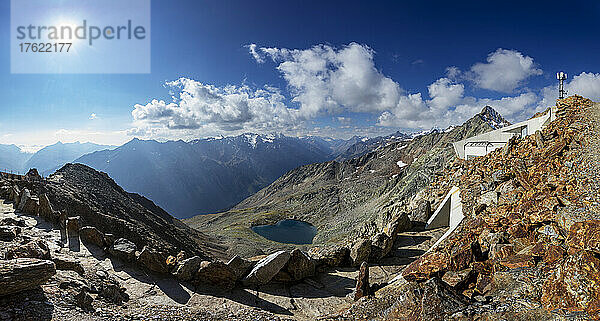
<point x="287" y="231"/>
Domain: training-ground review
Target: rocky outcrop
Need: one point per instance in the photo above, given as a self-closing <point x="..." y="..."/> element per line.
<point x="267" y="268"/>
<point x="23" y="274"/>
<point x="215" y="273"/>
<point x="153" y="260"/>
<point x="300" y="265"/>
<point x="530" y="213"/>
<point x="91" y="235"/>
<point x="99" y="202"/>
<point x="123" y="249"/>
<point x="362" y="282"/>
<point x="360" y="252"/>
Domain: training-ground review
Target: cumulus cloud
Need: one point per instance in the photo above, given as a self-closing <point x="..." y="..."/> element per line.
<point x="504" y="71"/>
<point x="449" y="106"/>
<point x="199" y="106"/>
<point x="326" y="80"/>
<point x="586" y="84"/>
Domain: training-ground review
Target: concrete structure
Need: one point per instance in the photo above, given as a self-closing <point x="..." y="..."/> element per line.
<point x="483" y="144"/>
<point x="449" y="213"/>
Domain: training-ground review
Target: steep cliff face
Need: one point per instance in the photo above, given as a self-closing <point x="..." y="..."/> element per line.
<point x="528" y="247"/>
<point x="356" y="197"/>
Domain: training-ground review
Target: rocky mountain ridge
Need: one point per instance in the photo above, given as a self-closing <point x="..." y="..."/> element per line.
<point x="527" y="248"/>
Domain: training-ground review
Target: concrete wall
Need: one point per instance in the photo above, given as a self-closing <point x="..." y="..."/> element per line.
<point x="449" y="213"/>
<point x="499" y="137"/>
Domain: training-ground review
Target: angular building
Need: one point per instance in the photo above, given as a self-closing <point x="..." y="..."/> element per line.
<point x="483" y="144"/>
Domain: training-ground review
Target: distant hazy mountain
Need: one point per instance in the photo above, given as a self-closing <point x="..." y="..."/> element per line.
<point x="12" y="158"/>
<point x="207" y="175"/>
<point x="50" y="158"/>
<point x="363" y="145"/>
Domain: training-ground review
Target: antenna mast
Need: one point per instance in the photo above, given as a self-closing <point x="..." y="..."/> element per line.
<point x="561" y="76"/>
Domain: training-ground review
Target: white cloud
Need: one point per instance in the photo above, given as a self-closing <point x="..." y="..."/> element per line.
<point x="339" y="82"/>
<point x="449" y="106"/>
<point x="199" y="108"/>
<point x="586" y="84"/>
<point x="325" y="80"/>
<point x="252" y="50"/>
<point x="504" y="71"/>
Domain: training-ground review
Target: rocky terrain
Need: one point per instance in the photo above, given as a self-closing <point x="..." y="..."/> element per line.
<point x="77" y="246"/>
<point x="356" y="198"/>
<point x="56" y="266"/>
<point x="528" y="247"/>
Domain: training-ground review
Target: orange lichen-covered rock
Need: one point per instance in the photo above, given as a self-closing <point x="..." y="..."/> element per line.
<point x="426" y="266"/>
<point x="518" y="261"/>
<point x="574" y="285"/>
<point x="585" y="236"/>
<point x="553" y="254"/>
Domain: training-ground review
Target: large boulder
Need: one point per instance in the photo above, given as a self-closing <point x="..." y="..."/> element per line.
<point x="37" y="249"/>
<point x="186" y="269"/>
<point x="123" y="249"/>
<point x="45" y="209"/>
<point x="267" y="268"/>
<point x="240" y="266"/>
<point x="31" y="206"/>
<point x="399" y="224"/>
<point x="67" y="263"/>
<point x="330" y="256"/>
<point x="92" y="235"/>
<point x="215" y="273"/>
<point x="360" y="252"/>
<point x="153" y="260"/>
<point x="25" y="196"/>
<point x="23" y="274"/>
<point x="381" y="247"/>
<point x="15" y="194"/>
<point x="300" y="265"/>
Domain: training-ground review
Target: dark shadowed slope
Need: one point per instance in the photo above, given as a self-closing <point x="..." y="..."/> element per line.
<point x="82" y="191"/>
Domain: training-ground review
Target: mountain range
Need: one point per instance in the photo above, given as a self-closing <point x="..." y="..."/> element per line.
<point x="209" y="175"/>
<point x="46" y="160"/>
<point x="346" y="198"/>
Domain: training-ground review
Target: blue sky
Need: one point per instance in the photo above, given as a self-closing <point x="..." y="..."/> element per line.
<point x="385" y="68"/>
